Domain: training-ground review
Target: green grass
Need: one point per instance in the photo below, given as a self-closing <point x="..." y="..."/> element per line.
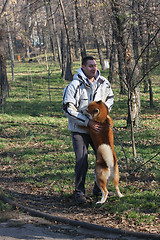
<point x="35" y="144"/>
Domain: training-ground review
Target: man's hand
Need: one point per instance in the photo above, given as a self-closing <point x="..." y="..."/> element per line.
<point x="98" y="127"/>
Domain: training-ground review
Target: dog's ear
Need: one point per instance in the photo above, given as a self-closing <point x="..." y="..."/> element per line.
<point x="99" y="102"/>
<point x="96" y="111"/>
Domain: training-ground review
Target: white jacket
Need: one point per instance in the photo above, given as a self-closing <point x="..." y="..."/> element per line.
<point x="79" y="93"/>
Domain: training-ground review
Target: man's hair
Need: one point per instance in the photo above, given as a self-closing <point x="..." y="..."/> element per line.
<point x="85" y="59"/>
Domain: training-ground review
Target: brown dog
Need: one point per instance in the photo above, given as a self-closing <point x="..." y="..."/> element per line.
<point x="106" y="159"/>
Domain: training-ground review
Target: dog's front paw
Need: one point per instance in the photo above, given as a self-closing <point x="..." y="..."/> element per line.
<point x="120" y="195"/>
<point x="99" y="202"/>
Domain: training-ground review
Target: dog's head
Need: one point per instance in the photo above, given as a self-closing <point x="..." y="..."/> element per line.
<point x="98" y="111"/>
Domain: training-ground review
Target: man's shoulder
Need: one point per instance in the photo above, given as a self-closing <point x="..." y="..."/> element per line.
<point x="76" y="80"/>
<point x="75" y="83"/>
<point x="104" y="80"/>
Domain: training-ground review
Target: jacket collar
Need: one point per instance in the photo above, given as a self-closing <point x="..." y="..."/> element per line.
<point x="83" y="77"/>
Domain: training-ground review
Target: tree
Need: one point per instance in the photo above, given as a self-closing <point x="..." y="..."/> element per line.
<point x="50" y="27"/>
<point x="69" y="58"/>
<point x="96" y="39"/>
<point x="10" y="47"/>
<point x="130" y="58"/>
<point x="4" y="86"/>
<point x="79" y="30"/>
<point x="56" y="36"/>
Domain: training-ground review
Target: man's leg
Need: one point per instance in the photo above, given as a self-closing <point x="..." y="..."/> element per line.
<point x="80" y="145"/>
<point x="96" y="190"/>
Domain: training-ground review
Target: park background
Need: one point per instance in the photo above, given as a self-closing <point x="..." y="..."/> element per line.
<point x="41" y="47"/>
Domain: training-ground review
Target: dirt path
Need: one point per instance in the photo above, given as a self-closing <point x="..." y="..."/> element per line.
<point x="30" y="231"/>
<point x="47" y="226"/>
<point x="60" y="206"/>
<point x="27" y="228"/>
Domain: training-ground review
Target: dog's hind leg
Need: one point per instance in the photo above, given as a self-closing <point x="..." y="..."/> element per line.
<point x="104" y="197"/>
<point x="117" y="189"/>
<point x="116" y="181"/>
<point x="102" y="179"/>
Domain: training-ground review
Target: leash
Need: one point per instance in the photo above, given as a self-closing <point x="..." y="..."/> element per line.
<point x="120" y="143"/>
<point x="130" y="172"/>
<point x="144" y="163"/>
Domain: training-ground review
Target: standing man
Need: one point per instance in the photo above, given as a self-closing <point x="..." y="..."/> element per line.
<point x="87" y="86"/>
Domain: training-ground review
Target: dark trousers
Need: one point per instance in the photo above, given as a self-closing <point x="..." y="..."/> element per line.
<point x="81" y="142"/>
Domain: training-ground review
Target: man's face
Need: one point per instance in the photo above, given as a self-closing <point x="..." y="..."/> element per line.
<point x="90" y="69"/>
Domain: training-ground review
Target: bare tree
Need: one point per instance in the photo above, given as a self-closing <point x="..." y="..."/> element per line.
<point x="132" y="75"/>
<point x="96" y="39"/>
<point x="112" y="58"/>
<point x="10" y="47"/>
<point x="4" y="7"/>
<point x="79" y="30"/>
<point x="69" y="59"/>
<point x="76" y="45"/>
<point x="50" y="28"/>
<point x="56" y="36"/>
<point x="126" y="51"/>
<point x="4" y="86"/>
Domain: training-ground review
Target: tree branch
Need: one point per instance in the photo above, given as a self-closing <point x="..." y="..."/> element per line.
<point x="4" y="7"/>
<point x="142" y="53"/>
<point x="146" y="74"/>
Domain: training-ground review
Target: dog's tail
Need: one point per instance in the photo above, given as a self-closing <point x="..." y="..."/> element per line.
<point x="105" y="151"/>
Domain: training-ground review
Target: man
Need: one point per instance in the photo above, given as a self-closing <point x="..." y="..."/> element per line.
<point x="87" y="86"/>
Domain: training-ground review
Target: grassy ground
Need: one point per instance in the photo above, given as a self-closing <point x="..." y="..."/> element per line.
<point x="36" y="149"/>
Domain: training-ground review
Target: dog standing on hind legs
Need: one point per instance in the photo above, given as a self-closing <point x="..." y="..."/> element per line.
<point x="106" y="160"/>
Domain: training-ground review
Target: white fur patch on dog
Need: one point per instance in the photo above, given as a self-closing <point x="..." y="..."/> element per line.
<point x="106" y="152"/>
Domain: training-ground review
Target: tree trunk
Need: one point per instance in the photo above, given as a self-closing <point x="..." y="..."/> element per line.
<point x="63" y="51"/>
<point x="50" y="29"/>
<point x="10" y="47"/>
<point x="107" y="43"/>
<point x="135" y="30"/>
<point x="131" y="123"/>
<point x="149" y="79"/>
<point x="142" y="29"/>
<point x="69" y="57"/>
<point x="150" y="93"/>
<point x="4" y="86"/>
<point x="136" y="105"/>
<point x="39" y="32"/>
<point x="112" y="59"/>
<point x="147" y="66"/>
<point x="75" y="34"/>
<point x="3" y="80"/>
<point x="97" y="42"/>
<point x="27" y="51"/>
<point x="80" y="33"/>
<point x="121" y="71"/>
<point x="56" y="35"/>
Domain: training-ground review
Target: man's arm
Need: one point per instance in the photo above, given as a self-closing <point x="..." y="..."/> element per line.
<point x="70" y="109"/>
<point x="98" y="127"/>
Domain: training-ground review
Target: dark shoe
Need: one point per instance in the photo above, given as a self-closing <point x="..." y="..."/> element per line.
<point x="96" y="191"/>
<point x="80" y="199"/>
